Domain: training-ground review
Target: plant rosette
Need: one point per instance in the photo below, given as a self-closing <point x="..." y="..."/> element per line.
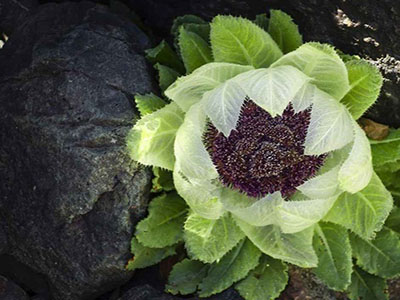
<point x="260" y="141"/>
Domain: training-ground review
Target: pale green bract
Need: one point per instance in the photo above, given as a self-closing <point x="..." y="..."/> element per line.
<point x="224" y="227"/>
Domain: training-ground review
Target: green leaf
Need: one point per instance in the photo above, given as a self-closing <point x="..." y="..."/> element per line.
<point x="151" y="140"/>
<point x="164" y="224"/>
<point x="322" y="185"/>
<point x="356" y="171"/>
<point x="238" y="40"/>
<point x="393" y="221"/>
<point x="365" y="85"/>
<point x="231" y="268"/>
<point x="202" y="30"/>
<point x="208" y="240"/>
<point x="262" y="21"/>
<point x="189" y="89"/>
<point x="367" y="287"/>
<point x="363" y="212"/>
<point x="162" y="180"/>
<point x="284" y="31"/>
<point x="332" y="245"/>
<point x="380" y="256"/>
<point x="186" y="276"/>
<point x="145" y="257"/>
<point x="163" y="54"/>
<point x="320" y="62"/>
<point x="295" y="248"/>
<point x="194" y="50"/>
<point x="265" y="282"/>
<point x="386" y="151"/>
<point x="149" y="103"/>
<point x="166" y="76"/>
<point x="183" y="20"/>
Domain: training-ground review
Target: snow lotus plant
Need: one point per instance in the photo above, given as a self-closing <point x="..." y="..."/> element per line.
<point x="260" y="141"/>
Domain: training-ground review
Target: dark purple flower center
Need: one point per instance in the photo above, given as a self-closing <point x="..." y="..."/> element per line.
<point x="264" y="154"/>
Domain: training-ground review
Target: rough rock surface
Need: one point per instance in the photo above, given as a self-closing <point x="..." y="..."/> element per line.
<point x="10" y="291"/>
<point x="370" y="30"/>
<point x="70" y="196"/>
<point x="14" y="12"/>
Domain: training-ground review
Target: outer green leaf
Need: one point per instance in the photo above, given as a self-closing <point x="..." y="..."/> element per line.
<point x="238" y="40"/>
<point x="294" y="248"/>
<point x="363" y="212"/>
<point x="164" y="225"/>
<point x="164" y="55"/>
<point x="183" y="20"/>
<point x="320" y="62"/>
<point x="231" y="268"/>
<point x="189" y="89"/>
<point x="208" y="240"/>
<point x="204" y="203"/>
<point x="223" y="105"/>
<point x="162" y="180"/>
<point x="166" y="76"/>
<point x="356" y="171"/>
<point x="284" y="31"/>
<point x="330" y="126"/>
<point x="393" y="221"/>
<point x="332" y="245"/>
<point x="388" y="150"/>
<point x="186" y="276"/>
<point x="272" y="88"/>
<point x="365" y="85"/>
<point x="194" y="50"/>
<point x="262" y="21"/>
<point x="145" y="257"/>
<point x="367" y="287"/>
<point x="202" y="30"/>
<point x="265" y="282"/>
<point x="151" y="140"/>
<point x="380" y="256"/>
<point x="147" y="104"/>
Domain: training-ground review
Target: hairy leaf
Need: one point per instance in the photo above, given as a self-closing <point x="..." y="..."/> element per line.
<point x="183" y="20"/>
<point x="151" y="140"/>
<point x="322" y="185"/>
<point x="186" y="276"/>
<point x="209" y="240"/>
<point x="393" y="221"/>
<point x="262" y="21"/>
<point x="238" y="40"/>
<point x="320" y="62"/>
<point x="164" y="224"/>
<point x="223" y="105"/>
<point x="365" y="85"/>
<point x="330" y="126"/>
<point x="145" y="257"/>
<point x="231" y="268"/>
<point x="295" y="248"/>
<point x="367" y="287"/>
<point x="380" y="256"/>
<point x="149" y="103"/>
<point x="284" y="31"/>
<point x="356" y="171"/>
<point x="202" y="30"/>
<point x="266" y="281"/>
<point x="363" y="212"/>
<point x="166" y="76"/>
<point x="194" y="50"/>
<point x="189" y="89"/>
<point x="388" y="150"/>
<point x="164" y="55"/>
<point x="332" y="245"/>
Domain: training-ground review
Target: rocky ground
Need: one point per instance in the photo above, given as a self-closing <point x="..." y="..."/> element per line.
<point x="70" y="196"/>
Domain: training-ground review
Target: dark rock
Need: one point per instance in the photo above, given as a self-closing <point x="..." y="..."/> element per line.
<point x="14" y="12"/>
<point x="70" y="196"/>
<point x="370" y="30"/>
<point x="10" y="291"/>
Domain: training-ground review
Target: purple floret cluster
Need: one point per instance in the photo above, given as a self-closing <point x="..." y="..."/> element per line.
<point x="263" y="154"/>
